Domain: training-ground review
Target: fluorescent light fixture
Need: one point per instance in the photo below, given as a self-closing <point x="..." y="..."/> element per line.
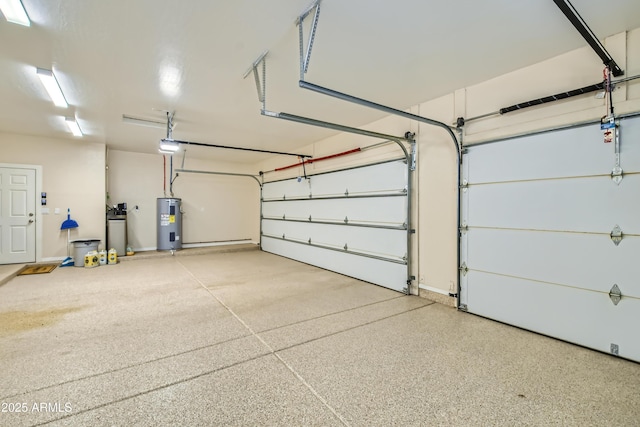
<point x="169" y="145"/>
<point x="51" y="85"/>
<point x="73" y="126"/>
<point x="143" y="122"/>
<point x="14" y="11"/>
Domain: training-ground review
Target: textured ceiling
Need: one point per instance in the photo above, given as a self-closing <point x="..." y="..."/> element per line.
<point x="143" y="57"/>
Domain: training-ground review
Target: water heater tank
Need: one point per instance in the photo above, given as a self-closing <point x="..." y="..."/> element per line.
<point x="169" y="224"/>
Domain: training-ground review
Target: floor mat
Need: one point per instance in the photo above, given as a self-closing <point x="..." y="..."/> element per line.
<point x="37" y="269"/>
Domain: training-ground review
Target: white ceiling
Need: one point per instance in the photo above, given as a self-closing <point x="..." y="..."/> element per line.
<point x="140" y="57"/>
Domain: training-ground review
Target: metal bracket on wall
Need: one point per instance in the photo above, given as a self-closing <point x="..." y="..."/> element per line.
<point x="410" y="136"/>
<point x="616" y="235"/>
<point x="464" y="228"/>
<point x="615" y="294"/>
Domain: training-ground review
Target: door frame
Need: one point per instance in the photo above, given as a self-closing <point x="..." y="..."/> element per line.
<point x="38" y="213"/>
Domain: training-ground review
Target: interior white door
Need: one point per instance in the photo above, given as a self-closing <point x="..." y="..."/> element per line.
<point x="17" y="215"/>
<point x="352" y="221"/>
<point x="539" y="249"/>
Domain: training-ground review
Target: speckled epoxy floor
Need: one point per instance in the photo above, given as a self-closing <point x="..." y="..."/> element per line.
<point x="249" y="338"/>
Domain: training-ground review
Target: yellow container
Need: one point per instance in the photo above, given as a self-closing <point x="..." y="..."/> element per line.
<point x="91" y="259"/>
<point x="112" y="256"/>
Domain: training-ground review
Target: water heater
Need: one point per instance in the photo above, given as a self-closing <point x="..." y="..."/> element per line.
<point x="169" y="224"/>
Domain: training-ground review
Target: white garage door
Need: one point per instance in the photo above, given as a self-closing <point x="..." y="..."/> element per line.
<point x="352" y="221"/>
<point x="538" y="252"/>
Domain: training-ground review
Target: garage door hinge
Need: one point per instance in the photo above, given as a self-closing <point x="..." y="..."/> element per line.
<point x="616" y="174"/>
<point x="346" y="248"/>
<point x="464" y="228"/>
<point x="346" y="220"/>
<point x="615" y="294"/>
<point x="464" y="185"/>
<point x="616" y="235"/>
<point x="464" y="269"/>
<point x="346" y="192"/>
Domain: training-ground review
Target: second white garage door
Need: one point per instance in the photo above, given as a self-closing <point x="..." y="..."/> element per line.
<point x="540" y="219"/>
<point x="350" y="221"/>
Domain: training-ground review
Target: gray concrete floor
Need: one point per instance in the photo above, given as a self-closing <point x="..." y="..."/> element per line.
<point x="248" y="338"/>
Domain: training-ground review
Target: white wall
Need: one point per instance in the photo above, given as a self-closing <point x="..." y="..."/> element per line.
<point x="216" y="208"/>
<point x="73" y="177"/>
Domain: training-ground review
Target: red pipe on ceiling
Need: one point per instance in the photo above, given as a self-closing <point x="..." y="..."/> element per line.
<point x="332" y="156"/>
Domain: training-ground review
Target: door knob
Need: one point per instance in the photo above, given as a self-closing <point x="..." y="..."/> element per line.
<point x="30" y="221"/>
<point x="31" y="214"/>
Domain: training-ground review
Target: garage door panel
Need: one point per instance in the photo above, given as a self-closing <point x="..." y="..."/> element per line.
<point x="538" y="250"/>
<point x="387" y="274"/>
<point x="391" y="176"/>
<point x="391" y="210"/>
<point x="555" y="154"/>
<point x="557" y="311"/>
<point x="579" y="260"/>
<point x="534" y="157"/>
<point x="289" y="189"/>
<point x="382" y="242"/>
<point x="589" y="204"/>
<point x="358" y="221"/>
<point x="388" y="176"/>
<point x="630" y="144"/>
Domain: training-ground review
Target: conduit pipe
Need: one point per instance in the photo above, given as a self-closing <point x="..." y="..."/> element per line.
<point x="349" y="98"/>
<point x="309" y="161"/>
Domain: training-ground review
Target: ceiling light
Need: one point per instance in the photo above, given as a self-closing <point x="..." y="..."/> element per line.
<point x="169" y="146"/>
<point x="14" y="11"/>
<point x="73" y="126"/>
<point x="51" y="85"/>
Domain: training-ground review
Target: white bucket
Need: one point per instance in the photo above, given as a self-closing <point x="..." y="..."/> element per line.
<point x="81" y="248"/>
